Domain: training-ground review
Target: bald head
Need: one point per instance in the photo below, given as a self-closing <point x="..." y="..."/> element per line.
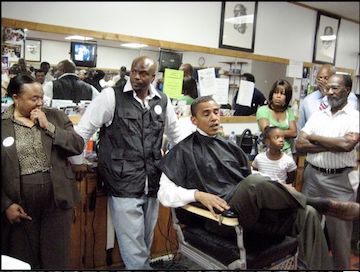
<point x="148" y="63"/>
<point x="328" y="68"/>
<point x="322" y="77"/>
<point x="143" y="72"/>
<point x="65" y="66"/>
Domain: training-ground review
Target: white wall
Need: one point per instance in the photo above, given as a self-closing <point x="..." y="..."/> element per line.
<point x="283" y="29"/>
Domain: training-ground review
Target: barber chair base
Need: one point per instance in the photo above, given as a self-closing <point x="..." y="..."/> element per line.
<point x="200" y="258"/>
<point x="211" y="251"/>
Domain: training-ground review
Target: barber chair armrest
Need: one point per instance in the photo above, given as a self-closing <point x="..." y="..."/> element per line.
<point x="222" y="218"/>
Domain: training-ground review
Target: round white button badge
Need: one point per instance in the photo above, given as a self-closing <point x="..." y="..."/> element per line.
<point x="158" y="109"/>
<point x="8" y="141"/>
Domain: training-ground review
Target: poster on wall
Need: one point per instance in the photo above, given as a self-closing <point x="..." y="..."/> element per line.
<point x="14" y="35"/>
<point x="11" y="51"/>
<point x="12" y="43"/>
<point x="4" y="64"/>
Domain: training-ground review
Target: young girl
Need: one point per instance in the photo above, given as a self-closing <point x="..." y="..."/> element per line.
<point x="274" y="162"/>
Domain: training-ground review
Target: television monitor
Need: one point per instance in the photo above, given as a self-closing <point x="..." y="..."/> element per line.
<point x="84" y="54"/>
<point x="171" y="60"/>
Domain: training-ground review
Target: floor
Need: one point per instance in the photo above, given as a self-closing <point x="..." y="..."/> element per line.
<point x="178" y="263"/>
<point x="181" y="263"/>
<point x="184" y="264"/>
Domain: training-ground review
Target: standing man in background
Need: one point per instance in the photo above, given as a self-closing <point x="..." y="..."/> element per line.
<point x="132" y="121"/>
<point x="45" y="66"/>
<point x="68" y="86"/>
<point x="120" y="80"/>
<point x="329" y="138"/>
<point x="40" y="76"/>
<point x="317" y="100"/>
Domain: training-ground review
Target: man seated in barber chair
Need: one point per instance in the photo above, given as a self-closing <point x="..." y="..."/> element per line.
<point x="208" y="169"/>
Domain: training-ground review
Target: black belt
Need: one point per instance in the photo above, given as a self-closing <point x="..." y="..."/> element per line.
<point x="330" y="170"/>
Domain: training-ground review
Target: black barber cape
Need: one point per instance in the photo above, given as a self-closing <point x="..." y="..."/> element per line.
<point x="209" y="164"/>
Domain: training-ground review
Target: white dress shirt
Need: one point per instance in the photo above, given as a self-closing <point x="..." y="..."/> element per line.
<point x="311" y="104"/>
<point x="324" y="123"/>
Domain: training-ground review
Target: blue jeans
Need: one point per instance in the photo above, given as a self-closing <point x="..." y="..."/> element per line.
<point x="134" y="220"/>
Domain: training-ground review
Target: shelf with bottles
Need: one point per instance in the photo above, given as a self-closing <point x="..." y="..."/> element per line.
<point x="233" y="85"/>
<point x="235" y="67"/>
<point x="234" y="72"/>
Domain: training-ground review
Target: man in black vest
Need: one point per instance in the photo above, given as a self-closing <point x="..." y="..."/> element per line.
<point x="132" y="121"/>
<point x="68" y="86"/>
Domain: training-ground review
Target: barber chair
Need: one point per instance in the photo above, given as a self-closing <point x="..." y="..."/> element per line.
<point x="223" y="244"/>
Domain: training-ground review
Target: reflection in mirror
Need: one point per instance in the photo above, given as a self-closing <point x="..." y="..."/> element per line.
<point x="111" y="56"/>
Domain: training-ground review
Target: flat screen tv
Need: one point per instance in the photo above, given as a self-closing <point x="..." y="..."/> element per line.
<point x="171" y="60"/>
<point x="84" y="54"/>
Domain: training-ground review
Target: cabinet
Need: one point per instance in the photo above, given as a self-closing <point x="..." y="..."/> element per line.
<point x="234" y="74"/>
<point x="88" y="235"/>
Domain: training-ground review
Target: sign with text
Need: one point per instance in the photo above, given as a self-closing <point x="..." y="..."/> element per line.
<point x="173" y="80"/>
<point x="207" y="81"/>
<point x="221" y="95"/>
<point x="246" y="92"/>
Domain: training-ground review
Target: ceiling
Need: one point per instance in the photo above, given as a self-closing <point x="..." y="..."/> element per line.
<point x="345" y="9"/>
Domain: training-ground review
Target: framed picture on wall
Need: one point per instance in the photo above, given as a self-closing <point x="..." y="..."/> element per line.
<point x="32" y="50"/>
<point x="326" y="33"/>
<point x="12" y="51"/>
<point x="237" y="25"/>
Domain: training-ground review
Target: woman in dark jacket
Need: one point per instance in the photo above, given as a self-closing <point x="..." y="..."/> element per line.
<point x="38" y="189"/>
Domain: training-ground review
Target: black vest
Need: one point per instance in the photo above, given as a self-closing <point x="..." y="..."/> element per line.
<point x="129" y="149"/>
<point x="70" y="87"/>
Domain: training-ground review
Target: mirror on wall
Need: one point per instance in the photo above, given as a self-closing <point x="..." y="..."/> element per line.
<point x="111" y="56"/>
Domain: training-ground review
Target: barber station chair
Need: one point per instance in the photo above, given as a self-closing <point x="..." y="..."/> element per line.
<point x="222" y="243"/>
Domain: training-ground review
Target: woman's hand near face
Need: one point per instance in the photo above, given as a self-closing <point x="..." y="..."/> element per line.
<point x="38" y="116"/>
<point x="15" y="213"/>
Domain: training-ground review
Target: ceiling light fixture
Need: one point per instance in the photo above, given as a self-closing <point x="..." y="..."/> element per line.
<point x="134" y="45"/>
<point x="78" y="37"/>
